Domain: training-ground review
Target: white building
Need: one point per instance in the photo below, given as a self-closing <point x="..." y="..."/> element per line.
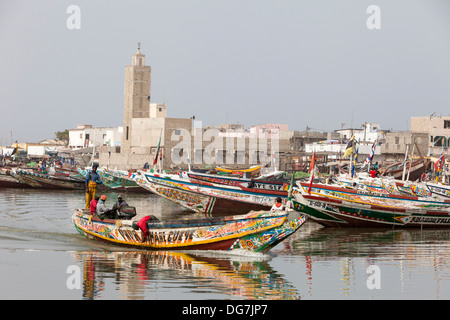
<point x="85" y="136"/>
<point x="368" y="133"/>
<point x="365" y="137"/>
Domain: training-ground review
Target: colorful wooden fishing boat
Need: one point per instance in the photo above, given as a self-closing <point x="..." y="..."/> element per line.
<point x="209" y="198"/>
<point x="254" y="170"/>
<point x="255" y="232"/>
<point x="355" y="196"/>
<point x="385" y="186"/>
<point x="7" y="180"/>
<point x="261" y="182"/>
<point x="417" y="167"/>
<point x="46" y="181"/>
<point x="418" y="189"/>
<point x="440" y="190"/>
<point x="119" y="180"/>
<point x="364" y="184"/>
<point x="341" y="213"/>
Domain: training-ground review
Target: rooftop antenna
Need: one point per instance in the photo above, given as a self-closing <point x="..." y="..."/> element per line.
<point x="139" y="46"/>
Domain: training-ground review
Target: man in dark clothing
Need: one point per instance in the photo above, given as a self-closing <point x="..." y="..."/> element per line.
<point x="119" y="203"/>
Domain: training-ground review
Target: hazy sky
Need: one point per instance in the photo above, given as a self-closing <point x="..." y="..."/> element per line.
<point x="300" y="62"/>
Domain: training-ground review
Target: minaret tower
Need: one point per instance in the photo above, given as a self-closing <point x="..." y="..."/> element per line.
<point x="137" y="95"/>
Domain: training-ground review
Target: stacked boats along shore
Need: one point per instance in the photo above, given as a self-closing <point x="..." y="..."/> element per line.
<point x="250" y="214"/>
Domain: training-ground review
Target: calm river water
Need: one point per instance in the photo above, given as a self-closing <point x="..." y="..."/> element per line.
<point x="42" y="256"/>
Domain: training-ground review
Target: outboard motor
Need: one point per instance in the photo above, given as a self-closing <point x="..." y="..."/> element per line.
<point x="126" y="212"/>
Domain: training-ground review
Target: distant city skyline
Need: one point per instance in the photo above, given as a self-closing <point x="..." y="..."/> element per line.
<point x="302" y="63"/>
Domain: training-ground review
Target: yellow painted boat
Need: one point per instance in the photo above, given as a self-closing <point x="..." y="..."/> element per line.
<point x="255" y="231"/>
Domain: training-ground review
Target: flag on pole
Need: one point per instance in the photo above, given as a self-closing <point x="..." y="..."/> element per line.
<point x="372" y="152"/>
<point x="438" y="165"/>
<point x="157" y="151"/>
<point x="354" y="163"/>
<point x="290" y="192"/>
<point x="349" y="148"/>
<point x="311" y="171"/>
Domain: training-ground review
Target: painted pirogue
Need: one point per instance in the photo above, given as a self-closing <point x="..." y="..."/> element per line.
<point x="9" y="181"/>
<point x="114" y="180"/>
<point x="340" y="207"/>
<point x="47" y="181"/>
<point x="255" y="232"/>
<point x="210" y="198"/>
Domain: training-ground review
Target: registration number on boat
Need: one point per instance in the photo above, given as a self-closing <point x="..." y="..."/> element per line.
<point x="317" y="204"/>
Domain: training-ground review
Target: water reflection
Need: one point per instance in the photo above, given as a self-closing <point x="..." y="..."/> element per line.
<point x="414" y="263"/>
<point x="314" y="263"/>
<point x="141" y="275"/>
<point x="314" y="240"/>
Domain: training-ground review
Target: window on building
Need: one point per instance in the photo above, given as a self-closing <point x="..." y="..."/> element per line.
<point x="446" y="124"/>
<point x="439" y="141"/>
<point x="127" y="131"/>
<point x="239" y="157"/>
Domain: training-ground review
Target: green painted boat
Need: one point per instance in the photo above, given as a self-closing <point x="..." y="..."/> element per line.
<point x="333" y="212"/>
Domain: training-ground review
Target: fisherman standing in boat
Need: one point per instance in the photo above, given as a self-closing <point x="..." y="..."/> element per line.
<point x="91" y="182"/>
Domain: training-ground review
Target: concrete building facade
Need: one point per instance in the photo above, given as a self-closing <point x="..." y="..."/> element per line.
<point x="437" y="128"/>
<point x="397" y="144"/>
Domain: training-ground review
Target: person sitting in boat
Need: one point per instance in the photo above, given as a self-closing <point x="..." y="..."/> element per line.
<point x="91" y="182"/>
<point x="104" y="212"/>
<point x="94" y="203"/>
<point x="120" y="203"/>
<point x="373" y="173"/>
<point x="278" y="205"/>
<point x="424" y="176"/>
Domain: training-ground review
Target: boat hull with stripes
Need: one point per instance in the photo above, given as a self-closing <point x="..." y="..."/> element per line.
<point x="333" y="212"/>
<point x="255" y="232"/>
<point x="354" y="196"/>
<point x="47" y="181"/>
<point x="212" y="199"/>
